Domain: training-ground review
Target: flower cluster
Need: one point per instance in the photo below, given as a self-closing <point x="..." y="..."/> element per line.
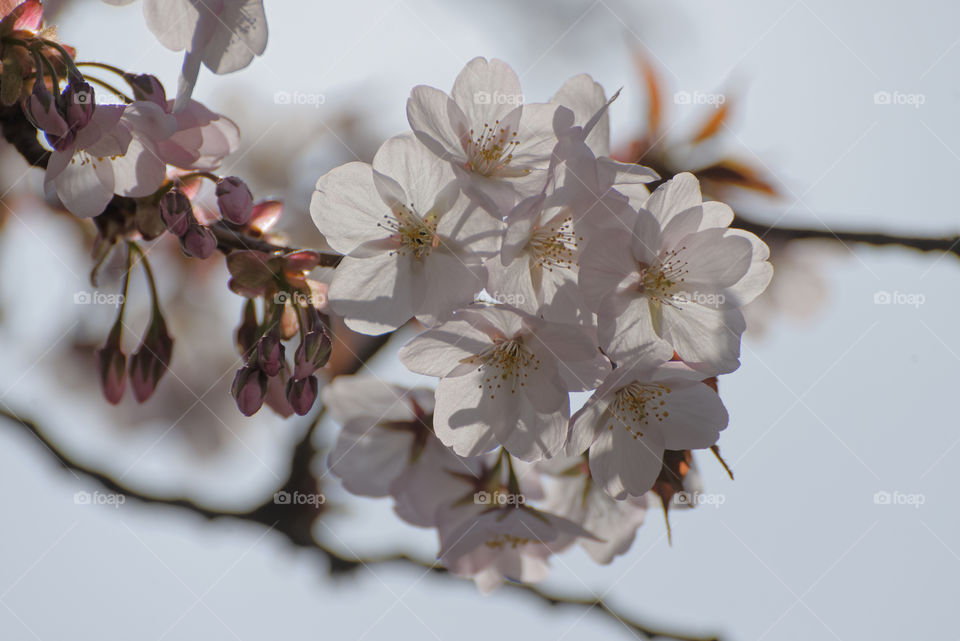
<point x="539" y="267"/>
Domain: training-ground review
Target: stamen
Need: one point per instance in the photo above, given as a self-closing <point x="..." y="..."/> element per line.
<point x="636" y="404"/>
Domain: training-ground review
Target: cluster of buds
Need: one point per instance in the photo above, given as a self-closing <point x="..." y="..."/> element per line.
<point x="149" y="363"/>
<point x="292" y="306"/>
<point x="234" y="201"/>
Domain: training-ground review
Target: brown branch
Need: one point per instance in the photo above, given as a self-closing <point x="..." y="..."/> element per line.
<point x="295" y="523"/>
<point x="948" y="244"/>
<point x="229" y="239"/>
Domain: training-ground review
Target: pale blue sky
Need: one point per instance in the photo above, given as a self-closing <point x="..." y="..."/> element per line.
<point x="823" y="415"/>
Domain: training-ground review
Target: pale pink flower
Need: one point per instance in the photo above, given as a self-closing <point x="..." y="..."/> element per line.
<point x="642" y="409"/>
<point x="413" y="243"/>
<point x="498" y="145"/>
<point x="679" y="279"/>
<point x="505" y="379"/>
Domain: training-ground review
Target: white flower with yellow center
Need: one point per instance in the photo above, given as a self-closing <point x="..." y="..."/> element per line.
<point x="679" y="278"/>
<point x="413" y="244"/>
<point x="505" y="379"/>
<point x="642" y="409"/>
<point x="498" y="145"/>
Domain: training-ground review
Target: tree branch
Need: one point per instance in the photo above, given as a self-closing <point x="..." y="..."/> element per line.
<point x="948" y="244"/>
<point x="295" y="523"/>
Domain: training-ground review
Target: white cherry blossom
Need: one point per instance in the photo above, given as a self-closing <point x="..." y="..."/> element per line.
<point x="642" y="409"/>
<point x="505" y="379"/>
<point x="573" y="494"/>
<point x="679" y="278"/>
<point x="413" y="243"/>
<point x="498" y="145"/>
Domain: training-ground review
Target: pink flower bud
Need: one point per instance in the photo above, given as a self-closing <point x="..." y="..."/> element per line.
<point x="151" y="360"/>
<point x="235" y="200"/>
<point x="270" y="353"/>
<point x="249" y="388"/>
<point x="41" y="110"/>
<point x="198" y="241"/>
<point x="312" y="353"/>
<point x="77" y="101"/>
<point x="176" y="211"/>
<point x="246" y="335"/>
<point x="302" y="394"/>
<point x="112" y="364"/>
<point x="147" y="87"/>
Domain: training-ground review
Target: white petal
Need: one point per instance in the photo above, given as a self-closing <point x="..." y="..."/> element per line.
<point x="346" y="208"/>
<point x="374" y="295"/>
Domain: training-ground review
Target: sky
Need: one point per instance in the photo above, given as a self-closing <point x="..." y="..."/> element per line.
<point x="842" y="521"/>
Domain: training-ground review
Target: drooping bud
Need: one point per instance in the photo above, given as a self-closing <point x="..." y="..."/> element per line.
<point x="112" y="363"/>
<point x="312" y="353"/>
<point x="198" y="241"/>
<point x="151" y="360"/>
<point x="78" y="104"/>
<point x="270" y="353"/>
<point x="248" y="389"/>
<point x="147" y="87"/>
<point x="234" y="200"/>
<point x="41" y="110"/>
<point x="246" y="335"/>
<point x="176" y="211"/>
<point x="302" y="393"/>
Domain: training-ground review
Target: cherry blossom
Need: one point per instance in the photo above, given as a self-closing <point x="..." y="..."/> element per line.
<point x="505" y="378"/>
<point x="680" y="278"/>
<point x="642" y="409"/>
<point x="490" y="544"/>
<point x="498" y="146"/>
<point x="413" y="243"/>
<point x="573" y="494"/>
<point x="223" y="35"/>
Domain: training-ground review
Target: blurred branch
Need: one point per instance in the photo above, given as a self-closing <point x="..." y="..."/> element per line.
<point x="949" y="244"/>
<point x="295" y="522"/>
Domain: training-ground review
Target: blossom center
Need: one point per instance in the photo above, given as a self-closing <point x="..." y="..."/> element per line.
<point x="555" y="244"/>
<point x="507" y="362"/>
<point x="661" y="281"/>
<point x="414" y="235"/>
<point x="636" y="404"/>
<point x="491" y="150"/>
